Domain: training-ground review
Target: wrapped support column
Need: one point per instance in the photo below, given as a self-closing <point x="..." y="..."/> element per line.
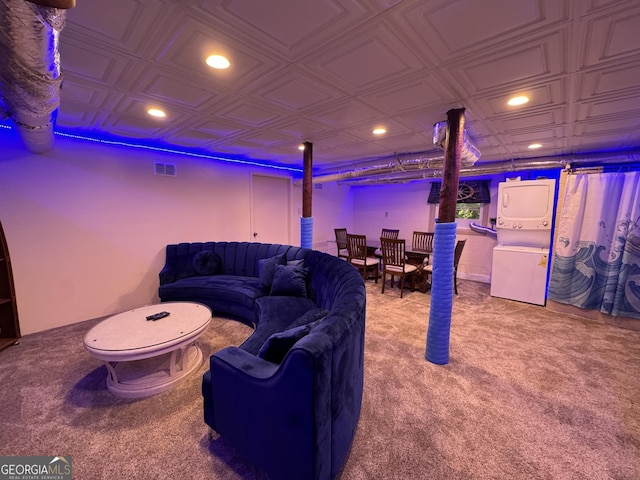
<point x="30" y="77"/>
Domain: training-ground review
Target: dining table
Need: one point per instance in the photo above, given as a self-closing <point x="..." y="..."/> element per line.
<point x="414" y="256"/>
<point x="417" y="256"/>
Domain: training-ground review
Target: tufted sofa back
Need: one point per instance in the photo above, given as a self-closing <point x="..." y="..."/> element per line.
<point x="238" y="258"/>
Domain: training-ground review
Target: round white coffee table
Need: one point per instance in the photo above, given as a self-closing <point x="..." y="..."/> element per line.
<point x="145" y="357"/>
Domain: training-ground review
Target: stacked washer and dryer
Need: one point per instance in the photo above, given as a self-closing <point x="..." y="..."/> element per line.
<point x="520" y="265"/>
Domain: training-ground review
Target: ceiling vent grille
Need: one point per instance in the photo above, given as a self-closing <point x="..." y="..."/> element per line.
<point x="165" y="169"/>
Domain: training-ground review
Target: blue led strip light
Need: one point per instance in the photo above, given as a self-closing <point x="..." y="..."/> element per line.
<point x="176" y="152"/>
<point x="180" y="152"/>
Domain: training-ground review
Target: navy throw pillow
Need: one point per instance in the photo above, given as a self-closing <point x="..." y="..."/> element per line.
<point x="207" y="262"/>
<point x="267" y="268"/>
<point x="312" y="316"/>
<point x="290" y="281"/>
<point x="277" y="345"/>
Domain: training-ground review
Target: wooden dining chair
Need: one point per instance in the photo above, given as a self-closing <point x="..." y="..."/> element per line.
<point x="341" y="242"/>
<point x="357" y="248"/>
<point x="456" y="259"/>
<point x="422" y="241"/>
<point x="388" y="233"/>
<point x="394" y="262"/>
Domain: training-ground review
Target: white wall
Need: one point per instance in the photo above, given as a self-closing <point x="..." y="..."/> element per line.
<point x="332" y="208"/>
<point x="395" y="206"/>
<point x="87" y="224"/>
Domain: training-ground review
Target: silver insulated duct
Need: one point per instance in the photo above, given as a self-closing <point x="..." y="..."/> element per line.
<point x="30" y="75"/>
<point x="429" y="171"/>
<point x="402" y="165"/>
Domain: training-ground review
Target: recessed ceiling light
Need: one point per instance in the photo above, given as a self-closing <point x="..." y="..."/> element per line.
<point x="218" y="61"/>
<point x="379" y="131"/>
<point x="519" y="100"/>
<point x="301" y="147"/>
<point x="533" y="146"/>
<point x="156" y="112"/>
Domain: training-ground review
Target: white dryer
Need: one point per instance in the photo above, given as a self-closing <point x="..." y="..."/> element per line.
<point x="520" y="263"/>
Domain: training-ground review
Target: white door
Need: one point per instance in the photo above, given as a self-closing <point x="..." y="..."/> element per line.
<point x="270" y="209"/>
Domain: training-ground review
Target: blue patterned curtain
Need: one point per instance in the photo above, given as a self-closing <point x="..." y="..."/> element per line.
<point x="597" y="254"/>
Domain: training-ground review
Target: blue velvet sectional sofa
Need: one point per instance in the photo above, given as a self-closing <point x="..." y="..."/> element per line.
<point x="289" y="397"/>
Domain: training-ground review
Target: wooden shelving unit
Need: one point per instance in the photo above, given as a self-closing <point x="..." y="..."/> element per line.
<point x="9" y="325"/>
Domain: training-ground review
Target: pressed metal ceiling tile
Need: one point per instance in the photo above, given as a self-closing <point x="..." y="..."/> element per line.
<point x="78" y="91"/>
<point x="173" y="89"/>
<point x="190" y="138"/>
<point x="193" y="42"/>
<point x="452" y="30"/>
<point x="100" y="66"/>
<point x="133" y="126"/>
<point x="296" y="93"/>
<point x="346" y="114"/>
<point x="624" y="36"/>
<point x="303" y="129"/>
<point x="614" y="80"/>
<point x="612" y="35"/>
<point x="282" y="19"/>
<point x="409" y="95"/>
<point x="126" y="24"/>
<point x="547" y="95"/>
<point x="328" y="71"/>
<point x="532" y="120"/>
<point x="527" y="63"/>
<point x="268" y="137"/>
<point x="465" y="23"/>
<point x="250" y="114"/>
<point x="410" y="142"/>
<point x="618" y="108"/>
<point x="366" y="63"/>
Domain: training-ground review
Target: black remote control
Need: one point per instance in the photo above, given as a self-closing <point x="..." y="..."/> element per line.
<point x="158" y="316"/>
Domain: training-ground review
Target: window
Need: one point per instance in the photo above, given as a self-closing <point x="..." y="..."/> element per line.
<point x="473" y="197"/>
<point x="468" y="211"/>
<point x="469" y="192"/>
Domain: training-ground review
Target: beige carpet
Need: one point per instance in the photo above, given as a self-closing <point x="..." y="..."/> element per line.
<point x="528" y="394"/>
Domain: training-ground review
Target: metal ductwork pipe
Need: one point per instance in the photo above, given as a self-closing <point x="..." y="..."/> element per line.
<point x="30" y="77"/>
<point x="410" y="165"/>
<point x="491" y="168"/>
<point x="402" y="163"/>
<point x="469" y="154"/>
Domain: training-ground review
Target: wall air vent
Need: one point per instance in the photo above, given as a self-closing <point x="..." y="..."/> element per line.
<point x="318" y="186"/>
<point x="165" y="169"/>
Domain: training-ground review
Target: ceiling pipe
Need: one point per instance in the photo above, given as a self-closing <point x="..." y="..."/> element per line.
<point x="30" y="77"/>
<point x="491" y="168"/>
<point x="404" y="163"/>
<point x="469" y="153"/>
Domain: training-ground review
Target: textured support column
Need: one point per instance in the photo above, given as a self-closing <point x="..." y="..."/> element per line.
<point x="306" y="221"/>
<point x="306" y="232"/>
<point x="438" y="333"/>
<point x="444" y="242"/>
<point x="452" y="160"/>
